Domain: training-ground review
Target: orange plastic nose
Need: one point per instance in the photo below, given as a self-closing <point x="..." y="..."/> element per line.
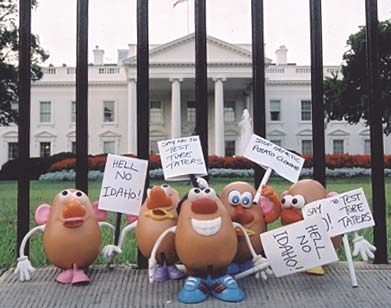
<point x="158" y="198"/>
<point x="242" y="216"/>
<point x="289" y="216"/>
<point x="204" y="206"/>
<point x="73" y="208"/>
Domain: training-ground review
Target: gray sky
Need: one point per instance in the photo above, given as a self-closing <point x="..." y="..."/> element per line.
<point x="112" y="25"/>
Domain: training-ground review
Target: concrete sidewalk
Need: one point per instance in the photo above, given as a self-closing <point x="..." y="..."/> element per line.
<point x="122" y="286"/>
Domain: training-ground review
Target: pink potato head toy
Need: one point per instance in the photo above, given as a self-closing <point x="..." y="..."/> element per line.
<point x="71" y="236"/>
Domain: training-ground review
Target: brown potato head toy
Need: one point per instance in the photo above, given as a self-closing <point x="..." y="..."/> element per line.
<point x="238" y="197"/>
<point x="206" y="243"/>
<point x="71" y="236"/>
<point x="157" y="214"/>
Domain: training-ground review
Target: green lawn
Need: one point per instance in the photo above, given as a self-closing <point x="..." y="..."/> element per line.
<point x="43" y="192"/>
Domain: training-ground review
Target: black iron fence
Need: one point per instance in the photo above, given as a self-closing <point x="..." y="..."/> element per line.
<point x="315" y="24"/>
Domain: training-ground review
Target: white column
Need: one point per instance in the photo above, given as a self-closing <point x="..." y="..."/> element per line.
<point x="219" y="116"/>
<point x="176" y="107"/>
<point x="132" y="117"/>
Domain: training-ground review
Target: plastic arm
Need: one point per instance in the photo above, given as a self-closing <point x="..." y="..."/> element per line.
<point x="250" y="246"/>
<point x="24" y="267"/>
<point x="152" y="259"/>
<point x="106" y="224"/>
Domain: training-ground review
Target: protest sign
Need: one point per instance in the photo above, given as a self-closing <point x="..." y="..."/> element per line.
<point x="342" y="213"/>
<point x="181" y="157"/>
<point x="268" y="154"/>
<point x="123" y="184"/>
<point x="298" y="247"/>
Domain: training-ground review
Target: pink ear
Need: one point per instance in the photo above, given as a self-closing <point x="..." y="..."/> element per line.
<point x="284" y="194"/>
<point x="331" y="194"/>
<point x="266" y="204"/>
<point x="100" y="214"/>
<point x="42" y="214"/>
<point x="131" y="218"/>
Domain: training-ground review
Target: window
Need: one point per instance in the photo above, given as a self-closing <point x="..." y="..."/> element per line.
<point x="338" y="146"/>
<point x="229" y="148"/>
<point x="73" y="147"/>
<point x="12" y="150"/>
<point x="367" y="147"/>
<point x="229" y="111"/>
<point x="108" y="111"/>
<point x="44" y="149"/>
<point x="191" y="112"/>
<point x="276" y="142"/>
<point x="306" y="110"/>
<point x="108" y="147"/>
<point x="275" y="110"/>
<point x="73" y="112"/>
<point x="306" y="146"/>
<point x="45" y="112"/>
<point x="156" y="112"/>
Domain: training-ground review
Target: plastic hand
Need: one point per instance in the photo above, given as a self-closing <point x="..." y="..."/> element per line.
<point x="202" y="183"/>
<point x="24" y="268"/>
<point x="263" y="267"/>
<point x="270" y="204"/>
<point x="151" y="268"/>
<point x="110" y="251"/>
<point x="362" y="247"/>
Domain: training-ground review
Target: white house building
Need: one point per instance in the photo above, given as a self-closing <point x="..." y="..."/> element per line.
<point x="112" y="103"/>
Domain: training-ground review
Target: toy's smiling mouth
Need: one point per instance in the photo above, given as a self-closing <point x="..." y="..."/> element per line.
<point x="239" y="232"/>
<point x="73" y="222"/>
<point x="206" y="227"/>
<point x="159" y="214"/>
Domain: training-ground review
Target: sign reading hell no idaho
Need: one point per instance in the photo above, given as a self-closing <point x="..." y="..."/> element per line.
<point x="343" y="213"/>
<point x="298" y="247"/>
<point x="181" y="157"/>
<point x="266" y="153"/>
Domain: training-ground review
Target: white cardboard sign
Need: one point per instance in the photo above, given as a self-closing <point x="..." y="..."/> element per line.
<point x="298" y="247"/>
<point x="181" y="157"/>
<point x="123" y="184"/>
<point x="266" y="153"/>
<point x="343" y="213"/>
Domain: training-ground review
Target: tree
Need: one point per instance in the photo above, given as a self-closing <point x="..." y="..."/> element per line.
<point x="9" y="60"/>
<point x="347" y="98"/>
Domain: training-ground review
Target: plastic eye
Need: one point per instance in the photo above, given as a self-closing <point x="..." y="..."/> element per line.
<point x="194" y="194"/>
<point x="80" y="195"/>
<point x="234" y="197"/>
<point x="65" y="194"/>
<point x="210" y="193"/>
<point x="167" y="188"/>
<point x="298" y="201"/>
<point x="286" y="201"/>
<point x="247" y="199"/>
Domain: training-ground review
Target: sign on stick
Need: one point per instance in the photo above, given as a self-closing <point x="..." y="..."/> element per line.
<point x="181" y="157"/>
<point x="342" y="213"/>
<point x="298" y="247"/>
<point x="123" y="184"/>
<point x="268" y="154"/>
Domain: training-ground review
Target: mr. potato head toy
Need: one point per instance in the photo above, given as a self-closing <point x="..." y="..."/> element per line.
<point x="157" y="214"/>
<point x="206" y="243"/>
<point x="71" y="236"/>
<point x="238" y="197"/>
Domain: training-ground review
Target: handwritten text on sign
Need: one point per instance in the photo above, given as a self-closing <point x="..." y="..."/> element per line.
<point x="342" y="213"/>
<point x="298" y="247"/>
<point x="182" y="157"/>
<point x="123" y="184"/>
<point x="266" y="153"/>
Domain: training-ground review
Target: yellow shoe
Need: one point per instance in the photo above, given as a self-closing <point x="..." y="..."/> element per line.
<point x="316" y="271"/>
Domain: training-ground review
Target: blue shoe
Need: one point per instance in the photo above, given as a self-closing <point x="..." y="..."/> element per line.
<point x="233" y="268"/>
<point x="246" y="265"/>
<point x="226" y="289"/>
<point x="194" y="291"/>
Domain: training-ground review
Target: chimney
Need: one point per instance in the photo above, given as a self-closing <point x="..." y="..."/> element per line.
<point x="282" y="55"/>
<point x="98" y="55"/>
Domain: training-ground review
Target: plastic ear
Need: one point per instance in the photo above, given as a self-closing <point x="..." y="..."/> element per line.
<point x="100" y="214"/>
<point x="131" y="218"/>
<point x="331" y="194"/>
<point x="42" y="214"/>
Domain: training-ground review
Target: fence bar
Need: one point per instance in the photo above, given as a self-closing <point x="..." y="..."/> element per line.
<point x="259" y="105"/>
<point x="201" y="79"/>
<point x="318" y="141"/>
<point x="82" y="96"/>
<point x="142" y="93"/>
<point x="23" y="211"/>
<point x="376" y="131"/>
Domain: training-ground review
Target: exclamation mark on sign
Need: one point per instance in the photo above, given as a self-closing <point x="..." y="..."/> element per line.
<point x="329" y="222"/>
